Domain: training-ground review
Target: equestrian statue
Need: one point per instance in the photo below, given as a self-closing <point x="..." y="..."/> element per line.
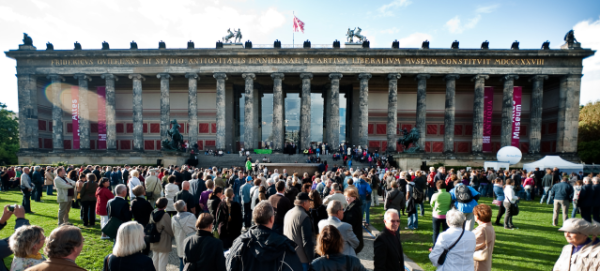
<point x="176" y="142"/>
<point x="351" y="34"/>
<point x="409" y="138"/>
<point x="235" y="35"/>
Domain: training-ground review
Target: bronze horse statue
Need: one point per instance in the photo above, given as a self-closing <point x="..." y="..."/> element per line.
<point x="409" y="138"/>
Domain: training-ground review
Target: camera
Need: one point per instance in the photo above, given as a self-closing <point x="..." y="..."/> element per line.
<point x="11" y="208"/>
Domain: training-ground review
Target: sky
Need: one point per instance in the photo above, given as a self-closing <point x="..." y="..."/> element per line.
<point x="118" y="22"/>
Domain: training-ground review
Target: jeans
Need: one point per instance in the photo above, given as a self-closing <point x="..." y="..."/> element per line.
<point x="546" y="194"/>
<point x="37" y="193"/>
<point x="49" y="190"/>
<point x="437" y="222"/>
<point x="26" y="203"/>
<point x="413" y="221"/>
<point x="247" y="214"/>
<point x="486" y="190"/>
<point x="88" y="212"/>
<point x="305" y="267"/>
<point x="421" y="207"/>
<point x="180" y="264"/>
<point x="430" y="192"/>
<point x="366" y="205"/>
<point x="508" y="223"/>
<point x="574" y="213"/>
<point x="529" y="192"/>
<point x="501" y="211"/>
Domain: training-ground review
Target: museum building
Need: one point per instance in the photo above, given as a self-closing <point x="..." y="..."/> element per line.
<point x="106" y="105"/>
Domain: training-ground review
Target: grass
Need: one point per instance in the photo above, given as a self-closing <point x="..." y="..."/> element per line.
<point x="536" y="245"/>
<point x="46" y="213"/>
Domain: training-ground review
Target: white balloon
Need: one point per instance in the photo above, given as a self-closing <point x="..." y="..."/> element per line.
<point x="509" y="154"/>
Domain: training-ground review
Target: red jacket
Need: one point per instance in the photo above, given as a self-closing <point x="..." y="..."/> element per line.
<point x="103" y="195"/>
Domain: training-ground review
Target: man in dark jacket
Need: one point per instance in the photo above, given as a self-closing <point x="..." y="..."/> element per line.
<point x="96" y="172"/>
<point x="538" y="181"/>
<point x="563" y="194"/>
<point x="261" y="248"/>
<point x="140" y="207"/>
<point x="185" y="172"/>
<point x="125" y="174"/>
<point x="596" y="197"/>
<point x="119" y="207"/>
<point x="197" y="186"/>
<point x="298" y="228"/>
<point x="271" y="189"/>
<point x="547" y="184"/>
<point x="203" y="251"/>
<point x="586" y="199"/>
<point x="441" y="175"/>
<point x="37" y="178"/>
<point x="388" y="253"/>
<point x="281" y="206"/>
<point x="186" y="196"/>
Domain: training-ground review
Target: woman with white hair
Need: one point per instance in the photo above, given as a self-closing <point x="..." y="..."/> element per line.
<point x="133" y="182"/>
<point x="458" y="243"/>
<point x="183" y="225"/>
<point x="127" y="252"/>
<point x="26" y="243"/>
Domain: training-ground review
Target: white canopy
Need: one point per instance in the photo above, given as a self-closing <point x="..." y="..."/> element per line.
<point x="552" y="161"/>
<point x="496" y="165"/>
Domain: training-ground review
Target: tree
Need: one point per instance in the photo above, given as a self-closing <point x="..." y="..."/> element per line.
<point x="589" y="129"/>
<point x="9" y="136"/>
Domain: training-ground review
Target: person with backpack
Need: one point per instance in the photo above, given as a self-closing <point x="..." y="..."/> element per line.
<point x="160" y="235"/>
<point x="465" y="199"/>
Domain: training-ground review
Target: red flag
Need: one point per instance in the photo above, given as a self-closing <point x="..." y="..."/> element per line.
<point x="298" y="25"/>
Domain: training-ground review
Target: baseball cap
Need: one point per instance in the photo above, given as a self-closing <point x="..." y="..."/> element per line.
<point x="303" y="196"/>
<point x="576" y="225"/>
<point x="248" y="179"/>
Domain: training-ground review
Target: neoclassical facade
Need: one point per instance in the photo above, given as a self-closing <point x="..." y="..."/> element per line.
<point x="228" y="98"/>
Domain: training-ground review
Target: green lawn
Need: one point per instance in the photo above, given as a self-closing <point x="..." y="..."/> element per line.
<point x="45" y="216"/>
<point x="536" y="245"/>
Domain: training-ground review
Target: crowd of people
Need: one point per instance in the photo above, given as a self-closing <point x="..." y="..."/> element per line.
<point x="250" y="218"/>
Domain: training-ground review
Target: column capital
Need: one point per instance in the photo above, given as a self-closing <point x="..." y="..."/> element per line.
<point x="109" y="76"/>
<point x="422" y="76"/>
<point x="537" y="77"/>
<point x="55" y="77"/>
<point x="509" y="77"/>
<point x="394" y="76"/>
<point x="23" y="75"/>
<point x="220" y="75"/>
<point x="191" y="75"/>
<point x="249" y="76"/>
<point x="81" y="76"/>
<point x="137" y="76"/>
<point x="335" y="75"/>
<point x="364" y="76"/>
<point x="451" y="77"/>
<point x="164" y="76"/>
<point x="277" y="75"/>
<point x="480" y="76"/>
<point x="306" y="75"/>
<point x="573" y="76"/>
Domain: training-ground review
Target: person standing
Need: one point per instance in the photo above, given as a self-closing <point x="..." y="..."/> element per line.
<point x="353" y="216"/>
<point x="161" y="249"/>
<point x="364" y="193"/>
<point x="26" y="188"/>
<point x="388" y="252"/>
<point x="37" y="179"/>
<point x="485" y="236"/>
<point x="575" y="231"/>
<point x="395" y="199"/>
<point x="281" y="205"/>
<point x="141" y="208"/>
<point x="596" y="197"/>
<point x="563" y="193"/>
<point x="298" y="228"/>
<point x="329" y="246"/>
<point x="133" y="182"/>
<point x="586" y="199"/>
<point x="499" y="192"/>
<point x="335" y="212"/>
<point x="127" y="252"/>
<point x="116" y="178"/>
<point x="441" y="202"/>
<point x="49" y="181"/>
<point x="88" y="200"/>
<point x="421" y="186"/>
<point x="153" y="188"/>
<point x="229" y="219"/>
<point x="204" y="195"/>
<point x="103" y="195"/>
<point x="460" y="257"/>
<point x="184" y="226"/>
<point x="202" y="251"/>
<point x="411" y="206"/>
<point x="171" y="191"/>
<point x="460" y="197"/>
<point x="118" y="207"/>
<point x="187" y="197"/>
<point x="547" y="184"/>
<point x="65" y="189"/>
<point x="246" y="201"/>
<point x="576" y="191"/>
<point x="64" y="245"/>
<point x="509" y="200"/>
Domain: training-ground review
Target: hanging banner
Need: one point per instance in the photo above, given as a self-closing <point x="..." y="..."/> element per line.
<point x="101" y="117"/>
<point x="488" y="108"/>
<point x="516" y="116"/>
<point x="75" y="115"/>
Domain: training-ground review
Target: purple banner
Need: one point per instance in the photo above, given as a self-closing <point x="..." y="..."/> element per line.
<point x="516" y="116"/>
<point x="75" y="115"/>
<point x="488" y="108"/>
<point x="101" y="117"/>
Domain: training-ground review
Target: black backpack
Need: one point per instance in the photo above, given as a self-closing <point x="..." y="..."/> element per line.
<point x="463" y="194"/>
<point x="417" y="194"/>
<point x="152" y="233"/>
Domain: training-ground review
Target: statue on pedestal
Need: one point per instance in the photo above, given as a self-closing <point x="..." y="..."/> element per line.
<point x="238" y="36"/>
<point x="351" y="34"/>
<point x="176" y="142"/>
<point x="28" y="41"/>
<point x="229" y="36"/>
<point x="409" y="138"/>
<point x="235" y="35"/>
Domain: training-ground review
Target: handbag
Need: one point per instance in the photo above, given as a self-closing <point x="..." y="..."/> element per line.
<point x="514" y="209"/>
<point x="150" y="195"/>
<point x="497" y="202"/>
<point x="112" y="226"/>
<point x="482" y="255"/>
<point x="444" y="254"/>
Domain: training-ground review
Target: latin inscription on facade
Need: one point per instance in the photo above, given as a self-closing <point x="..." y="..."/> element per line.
<point x="364" y="61"/>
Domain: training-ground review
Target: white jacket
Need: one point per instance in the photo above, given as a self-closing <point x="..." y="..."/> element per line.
<point x="133" y="182"/>
<point x="509" y="194"/>
<point x="183" y="225"/>
<point x="460" y="257"/>
<point x="170" y="193"/>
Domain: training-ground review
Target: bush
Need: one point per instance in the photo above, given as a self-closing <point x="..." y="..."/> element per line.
<point x="588" y="151"/>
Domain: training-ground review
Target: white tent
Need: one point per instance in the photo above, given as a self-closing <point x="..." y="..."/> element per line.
<point x="495" y="165"/>
<point x="552" y="161"/>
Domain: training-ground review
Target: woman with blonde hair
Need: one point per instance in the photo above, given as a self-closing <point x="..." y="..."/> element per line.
<point x="26" y="243"/>
<point x="127" y="253"/>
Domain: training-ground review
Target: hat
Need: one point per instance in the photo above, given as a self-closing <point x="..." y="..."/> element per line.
<point x="248" y="179"/>
<point x="303" y="196"/>
<point x="593" y="229"/>
<point x="576" y="225"/>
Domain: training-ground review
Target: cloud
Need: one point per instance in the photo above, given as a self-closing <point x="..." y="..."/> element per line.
<point x="386" y="10"/>
<point x="414" y="40"/>
<point x="392" y="30"/>
<point x="487" y="9"/>
<point x="586" y="32"/>
<point x="455" y="26"/>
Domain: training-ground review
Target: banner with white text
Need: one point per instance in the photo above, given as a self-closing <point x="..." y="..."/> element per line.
<point x="488" y="108"/>
<point x="75" y="115"/>
<point x="516" y="116"/>
<point x="101" y="117"/>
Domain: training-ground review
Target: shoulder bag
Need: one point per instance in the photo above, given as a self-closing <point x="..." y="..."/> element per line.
<point x="112" y="226"/>
<point x="444" y="254"/>
<point x="150" y="195"/>
<point x="482" y="255"/>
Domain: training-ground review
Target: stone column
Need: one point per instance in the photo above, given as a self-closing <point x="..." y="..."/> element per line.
<point x="363" y="110"/>
<point x="392" y="119"/>
<point x="305" y="111"/>
<point x="111" y="124"/>
<point x="138" y="118"/>
<point x="165" y="105"/>
<point x="326" y="95"/>
<point x="28" y="120"/>
<point x="333" y="122"/>
<point x="507" y="107"/>
<point x="477" y="144"/>
<point x="221" y="77"/>
<point x="449" y="112"/>
<point x="57" y="112"/>
<point x="249" y="118"/>
<point x="568" y="113"/>
<point x="192" y="107"/>
<point x="421" y="121"/>
<point x="84" y="113"/>
<point x="535" y="124"/>
<point x="278" y="117"/>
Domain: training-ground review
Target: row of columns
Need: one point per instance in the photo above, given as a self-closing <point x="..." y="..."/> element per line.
<point x="567" y="117"/>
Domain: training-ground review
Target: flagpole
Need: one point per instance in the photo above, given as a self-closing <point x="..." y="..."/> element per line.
<point x="293" y="30"/>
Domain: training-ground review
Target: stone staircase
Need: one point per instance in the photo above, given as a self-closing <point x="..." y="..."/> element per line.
<point x="230" y="160"/>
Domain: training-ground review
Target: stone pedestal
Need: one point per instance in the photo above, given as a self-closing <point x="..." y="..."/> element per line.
<point x="233" y="46"/>
<point x="353" y="45"/>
